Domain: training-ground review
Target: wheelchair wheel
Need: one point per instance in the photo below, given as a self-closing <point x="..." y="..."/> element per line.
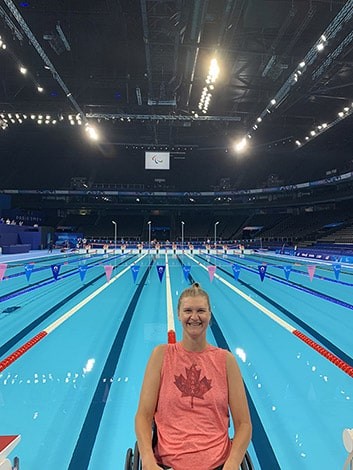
<point x="136" y="464"/>
<point x="128" y="459"/>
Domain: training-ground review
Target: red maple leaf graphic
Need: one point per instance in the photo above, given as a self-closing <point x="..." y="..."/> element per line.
<point x="192" y="386"/>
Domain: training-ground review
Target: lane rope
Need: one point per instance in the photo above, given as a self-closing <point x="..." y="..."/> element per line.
<point x="46" y="331"/>
<point x="317" y="347"/>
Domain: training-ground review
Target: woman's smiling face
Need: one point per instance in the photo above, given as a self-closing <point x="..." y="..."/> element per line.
<point x="194" y="314"/>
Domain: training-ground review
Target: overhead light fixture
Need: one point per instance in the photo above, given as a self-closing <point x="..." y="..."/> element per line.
<point x="207" y="90"/>
<point x="241" y="145"/>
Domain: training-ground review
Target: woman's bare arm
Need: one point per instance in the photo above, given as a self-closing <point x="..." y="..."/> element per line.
<point x="147" y="406"/>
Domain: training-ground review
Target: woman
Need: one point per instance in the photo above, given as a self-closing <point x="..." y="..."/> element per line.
<point x="188" y="390"/>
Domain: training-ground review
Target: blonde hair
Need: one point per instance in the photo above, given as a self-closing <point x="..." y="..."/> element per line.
<point x="194" y="291"/>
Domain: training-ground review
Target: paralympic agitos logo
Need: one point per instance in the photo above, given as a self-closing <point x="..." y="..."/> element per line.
<point x="156" y="159"/>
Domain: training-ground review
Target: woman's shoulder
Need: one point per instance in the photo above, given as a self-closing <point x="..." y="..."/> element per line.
<point x="159" y="350"/>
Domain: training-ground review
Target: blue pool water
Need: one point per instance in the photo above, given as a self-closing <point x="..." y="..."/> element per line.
<point x="73" y="395"/>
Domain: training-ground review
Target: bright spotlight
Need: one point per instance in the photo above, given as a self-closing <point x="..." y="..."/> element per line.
<point x="241" y="145"/>
<point x="92" y="133"/>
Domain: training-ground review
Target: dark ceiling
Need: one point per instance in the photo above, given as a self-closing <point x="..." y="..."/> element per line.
<point x="136" y="69"/>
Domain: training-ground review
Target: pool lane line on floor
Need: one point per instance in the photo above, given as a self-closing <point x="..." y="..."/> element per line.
<point x="47" y="281"/>
<point x="25" y="331"/>
<point x="294" y="285"/>
<point x="337" y="361"/>
<point x="308" y="329"/>
<point x="85" y="443"/>
<point x="49" y="329"/>
<point x="263" y="448"/>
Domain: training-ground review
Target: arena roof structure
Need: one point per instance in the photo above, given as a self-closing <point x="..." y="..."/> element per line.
<point x="200" y="79"/>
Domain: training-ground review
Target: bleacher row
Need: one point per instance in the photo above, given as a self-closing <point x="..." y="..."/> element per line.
<point x="333" y="226"/>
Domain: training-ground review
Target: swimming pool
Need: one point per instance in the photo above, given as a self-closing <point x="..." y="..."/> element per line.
<point x="73" y="394"/>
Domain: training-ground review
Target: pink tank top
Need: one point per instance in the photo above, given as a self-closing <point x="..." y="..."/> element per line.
<point x="192" y="414"/>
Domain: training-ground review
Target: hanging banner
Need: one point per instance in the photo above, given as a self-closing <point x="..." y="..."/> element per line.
<point x="160" y="271"/>
<point x="186" y="271"/>
<point x="28" y="270"/>
<point x="311" y="271"/>
<point x="82" y="270"/>
<point x="211" y="271"/>
<point x="287" y="271"/>
<point x="108" y="271"/>
<point x="262" y="271"/>
<point x="135" y="270"/>
<point x="337" y="270"/>
<point x="3" y="268"/>
<point x="55" y="268"/>
<point x="236" y="271"/>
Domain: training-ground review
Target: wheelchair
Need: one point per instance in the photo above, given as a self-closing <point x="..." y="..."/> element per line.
<point x="7" y="444"/>
<point x="133" y="460"/>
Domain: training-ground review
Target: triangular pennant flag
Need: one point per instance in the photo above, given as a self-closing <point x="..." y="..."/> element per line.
<point x="82" y="270"/>
<point x="3" y="268"/>
<point x="211" y="271"/>
<point x="160" y="271"/>
<point x="186" y="271"/>
<point x="287" y="271"/>
<point x="135" y="270"/>
<point x="108" y="271"/>
<point x="55" y="268"/>
<point x="311" y="271"/>
<point x="262" y="271"/>
<point x="236" y="271"/>
<point x="28" y="270"/>
<point x="337" y="270"/>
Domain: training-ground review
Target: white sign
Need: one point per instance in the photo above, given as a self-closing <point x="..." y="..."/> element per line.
<point x="157" y="160"/>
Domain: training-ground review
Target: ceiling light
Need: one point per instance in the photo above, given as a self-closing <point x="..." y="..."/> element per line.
<point x="92" y="133"/>
<point x="241" y="145"/>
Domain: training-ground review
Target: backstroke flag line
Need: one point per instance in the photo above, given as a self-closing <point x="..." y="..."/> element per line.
<point x="108" y="271"/>
<point x="3" y="268"/>
<point x="236" y="271"/>
<point x="337" y="270"/>
<point x="186" y="271"/>
<point x="311" y="271"/>
<point x="262" y="271"/>
<point x="287" y="271"/>
<point x="160" y="271"/>
<point x="28" y="270"/>
<point x="55" y="269"/>
<point x="82" y="270"/>
<point x="211" y="270"/>
<point x="135" y="270"/>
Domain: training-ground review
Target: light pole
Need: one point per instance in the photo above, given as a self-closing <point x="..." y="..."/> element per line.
<point x="115" y="233"/>
<point x="149" y="236"/>
<point x="215" y="235"/>
<point x="182" y="236"/>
